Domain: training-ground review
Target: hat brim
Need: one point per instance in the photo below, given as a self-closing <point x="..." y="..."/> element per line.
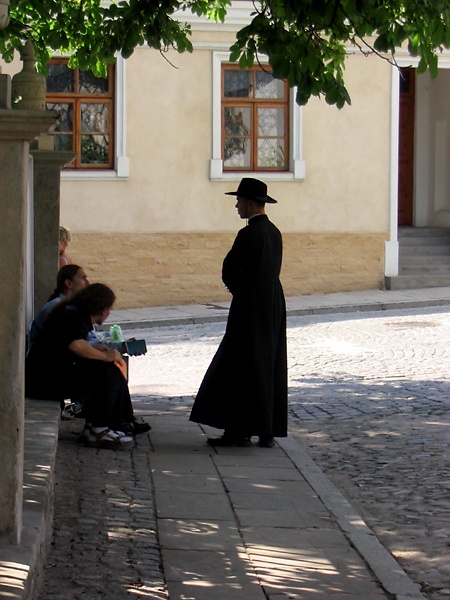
<point x="267" y="199"/>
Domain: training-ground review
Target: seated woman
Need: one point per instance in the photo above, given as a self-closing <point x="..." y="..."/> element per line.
<point x="70" y="280"/>
<point x="64" y="239"/>
<point x="62" y="364"/>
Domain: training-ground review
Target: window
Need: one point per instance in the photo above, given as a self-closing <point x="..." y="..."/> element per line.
<point x="256" y="124"/>
<point x="86" y="106"/>
<point x="255" y="120"/>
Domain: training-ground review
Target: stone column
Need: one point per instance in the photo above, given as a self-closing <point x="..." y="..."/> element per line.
<point x="47" y="165"/>
<point x="17" y="129"/>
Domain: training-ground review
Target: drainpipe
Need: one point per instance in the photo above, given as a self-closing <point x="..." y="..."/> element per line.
<point x="391" y="247"/>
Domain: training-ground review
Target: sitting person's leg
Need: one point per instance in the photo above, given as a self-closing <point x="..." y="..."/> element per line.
<point x="92" y="383"/>
<point x="108" y="399"/>
<point x="121" y="409"/>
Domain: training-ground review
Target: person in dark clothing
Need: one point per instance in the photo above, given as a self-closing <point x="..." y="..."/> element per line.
<point x="63" y="364"/>
<point x="69" y="280"/>
<point x="244" y="391"/>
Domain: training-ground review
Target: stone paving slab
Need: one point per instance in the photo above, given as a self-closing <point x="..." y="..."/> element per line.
<point x="259" y="458"/>
<point x="170" y="481"/>
<point x="206" y="534"/>
<point x="293" y="562"/>
<point x="222" y="576"/>
<point x="301" y="498"/>
<point x="268" y="489"/>
<point x="170" y="464"/>
<point x="291" y="539"/>
<point x="173" y="505"/>
<point x="255" y="476"/>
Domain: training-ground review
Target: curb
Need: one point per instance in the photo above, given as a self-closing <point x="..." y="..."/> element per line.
<point x="148" y="323"/>
<point x="21" y="565"/>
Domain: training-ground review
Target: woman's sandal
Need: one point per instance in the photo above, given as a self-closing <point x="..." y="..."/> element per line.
<point x="108" y="439"/>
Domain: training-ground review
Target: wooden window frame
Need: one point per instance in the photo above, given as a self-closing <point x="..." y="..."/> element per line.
<point x="78" y="99"/>
<point x="254" y="104"/>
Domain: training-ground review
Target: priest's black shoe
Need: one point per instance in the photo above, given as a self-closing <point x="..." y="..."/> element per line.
<point x="225" y="441"/>
<point x="266" y="442"/>
<point x="135" y="427"/>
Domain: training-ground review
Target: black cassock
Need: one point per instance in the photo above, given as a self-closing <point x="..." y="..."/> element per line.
<point x="245" y="387"/>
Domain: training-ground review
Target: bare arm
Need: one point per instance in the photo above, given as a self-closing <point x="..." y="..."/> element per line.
<point x="83" y="349"/>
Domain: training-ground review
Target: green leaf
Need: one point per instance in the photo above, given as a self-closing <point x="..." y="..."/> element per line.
<point x="433" y="66"/>
<point x="304" y="39"/>
<point x="381" y="44"/>
<point x="235" y="52"/>
<point x="422" y="66"/>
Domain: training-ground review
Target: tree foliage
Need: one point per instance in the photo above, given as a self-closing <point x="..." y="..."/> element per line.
<point x="306" y="41"/>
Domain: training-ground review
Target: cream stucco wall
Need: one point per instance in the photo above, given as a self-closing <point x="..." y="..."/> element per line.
<point x="347" y="155"/>
<point x="159" y="235"/>
<point x="169" y="138"/>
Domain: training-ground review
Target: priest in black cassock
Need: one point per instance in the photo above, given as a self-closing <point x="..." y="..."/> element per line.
<point x="244" y="391"/>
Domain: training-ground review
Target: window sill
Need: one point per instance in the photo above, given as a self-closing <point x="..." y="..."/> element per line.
<point x="296" y="173"/>
<point x="121" y="172"/>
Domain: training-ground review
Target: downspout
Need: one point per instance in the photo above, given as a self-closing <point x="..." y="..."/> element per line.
<point x="391" y="247"/>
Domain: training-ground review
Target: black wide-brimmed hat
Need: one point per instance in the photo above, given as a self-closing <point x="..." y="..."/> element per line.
<point x="253" y="189"/>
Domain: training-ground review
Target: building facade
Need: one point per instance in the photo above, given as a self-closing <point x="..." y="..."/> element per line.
<point x="149" y="216"/>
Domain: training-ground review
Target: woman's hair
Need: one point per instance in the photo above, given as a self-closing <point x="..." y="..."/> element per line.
<point x="64" y="234"/>
<point x="65" y="272"/>
<point x="93" y="299"/>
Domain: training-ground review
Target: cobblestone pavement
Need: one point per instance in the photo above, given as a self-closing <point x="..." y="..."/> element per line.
<point x="371" y="406"/>
<point x="104" y="539"/>
<point x="369" y="400"/>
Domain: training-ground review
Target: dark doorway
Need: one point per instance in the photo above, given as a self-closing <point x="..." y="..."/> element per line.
<point x="406" y="147"/>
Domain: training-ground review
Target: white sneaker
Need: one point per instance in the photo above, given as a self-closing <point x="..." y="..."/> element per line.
<point x="107" y="438"/>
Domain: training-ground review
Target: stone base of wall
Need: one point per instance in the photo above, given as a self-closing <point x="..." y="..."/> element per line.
<point x="164" y="269"/>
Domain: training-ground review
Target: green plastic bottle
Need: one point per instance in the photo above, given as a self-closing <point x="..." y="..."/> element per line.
<point x="115" y="332"/>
